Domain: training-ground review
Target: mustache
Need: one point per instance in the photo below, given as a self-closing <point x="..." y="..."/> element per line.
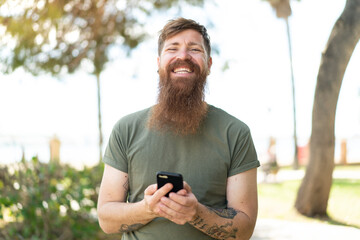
<point x="184" y="63"/>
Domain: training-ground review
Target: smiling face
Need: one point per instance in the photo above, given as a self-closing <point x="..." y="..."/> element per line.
<point x="183" y="58"/>
<point x="183" y="67"/>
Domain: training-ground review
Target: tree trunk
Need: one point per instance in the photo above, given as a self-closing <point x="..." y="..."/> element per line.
<point x="99" y="116"/>
<point x="296" y="159"/>
<point x="315" y="188"/>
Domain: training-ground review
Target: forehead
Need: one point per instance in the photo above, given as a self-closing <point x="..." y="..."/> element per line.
<point x="188" y="37"/>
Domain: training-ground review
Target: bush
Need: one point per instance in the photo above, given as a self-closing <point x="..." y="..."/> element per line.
<point x="49" y="201"/>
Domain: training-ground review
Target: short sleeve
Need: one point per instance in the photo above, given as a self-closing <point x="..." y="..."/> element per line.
<point x="115" y="152"/>
<point x="244" y="155"/>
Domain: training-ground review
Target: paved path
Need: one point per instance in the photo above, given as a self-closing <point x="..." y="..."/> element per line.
<point x="284" y="175"/>
<point x="271" y="229"/>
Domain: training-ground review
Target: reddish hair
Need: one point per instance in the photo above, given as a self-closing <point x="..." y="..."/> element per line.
<point x="178" y="25"/>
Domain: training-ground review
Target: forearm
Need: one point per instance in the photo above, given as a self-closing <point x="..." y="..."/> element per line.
<point x="223" y="223"/>
<point x="120" y="217"/>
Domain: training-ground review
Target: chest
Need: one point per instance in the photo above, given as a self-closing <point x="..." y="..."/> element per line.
<point x="203" y="161"/>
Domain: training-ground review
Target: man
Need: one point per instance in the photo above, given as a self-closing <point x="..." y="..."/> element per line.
<point x="182" y="133"/>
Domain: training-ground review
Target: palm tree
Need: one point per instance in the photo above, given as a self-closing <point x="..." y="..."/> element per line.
<point x="283" y="10"/>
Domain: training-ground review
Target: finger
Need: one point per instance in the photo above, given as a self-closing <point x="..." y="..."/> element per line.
<point x="182" y="192"/>
<point x="170" y="208"/>
<point x="186" y="200"/>
<point x="163" y="213"/>
<point x="180" y="204"/>
<point x="163" y="191"/>
<point x="171" y="204"/>
<point x="151" y="189"/>
<point x="172" y="215"/>
<point x="187" y="187"/>
<point x="179" y="198"/>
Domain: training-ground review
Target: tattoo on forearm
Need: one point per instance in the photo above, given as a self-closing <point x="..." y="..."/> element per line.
<point x="198" y="222"/>
<point x="224" y="231"/>
<point x="129" y="228"/>
<point x="229" y="213"/>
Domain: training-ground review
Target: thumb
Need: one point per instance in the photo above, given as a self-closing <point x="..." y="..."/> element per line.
<point x="151" y="189"/>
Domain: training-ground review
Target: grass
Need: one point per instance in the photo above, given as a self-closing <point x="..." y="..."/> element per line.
<point x="344" y="202"/>
<point x="276" y="200"/>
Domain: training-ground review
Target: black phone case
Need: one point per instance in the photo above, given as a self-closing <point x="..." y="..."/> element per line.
<point x="175" y="179"/>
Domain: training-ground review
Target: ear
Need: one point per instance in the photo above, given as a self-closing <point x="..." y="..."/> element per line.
<point x="210" y="63"/>
<point x="158" y="62"/>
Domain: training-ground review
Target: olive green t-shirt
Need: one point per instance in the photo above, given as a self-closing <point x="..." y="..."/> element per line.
<point x="222" y="147"/>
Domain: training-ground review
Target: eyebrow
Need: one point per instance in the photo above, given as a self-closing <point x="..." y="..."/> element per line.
<point x="189" y="44"/>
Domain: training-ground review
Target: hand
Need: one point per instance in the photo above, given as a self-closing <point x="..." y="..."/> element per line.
<point x="152" y="197"/>
<point x="180" y="207"/>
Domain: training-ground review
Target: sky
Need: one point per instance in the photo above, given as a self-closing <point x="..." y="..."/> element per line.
<point x="256" y="87"/>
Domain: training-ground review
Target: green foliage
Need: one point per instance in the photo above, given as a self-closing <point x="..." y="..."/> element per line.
<point x="56" y="36"/>
<point x="49" y="201"/>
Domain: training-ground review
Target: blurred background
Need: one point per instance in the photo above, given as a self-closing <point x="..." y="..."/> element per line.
<point x="53" y="114"/>
<point x="250" y="79"/>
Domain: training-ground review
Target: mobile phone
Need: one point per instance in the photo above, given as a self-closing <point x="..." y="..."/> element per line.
<point x="175" y="179"/>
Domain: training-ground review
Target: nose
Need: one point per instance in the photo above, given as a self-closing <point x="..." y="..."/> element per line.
<point x="183" y="54"/>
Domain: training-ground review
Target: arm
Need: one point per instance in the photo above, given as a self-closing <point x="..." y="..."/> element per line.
<point x="114" y="213"/>
<point x="237" y="221"/>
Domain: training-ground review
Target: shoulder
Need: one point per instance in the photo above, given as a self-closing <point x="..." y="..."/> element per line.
<point x="134" y="119"/>
<point x="225" y="120"/>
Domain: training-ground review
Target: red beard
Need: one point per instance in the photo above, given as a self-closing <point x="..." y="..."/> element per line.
<point x="181" y="107"/>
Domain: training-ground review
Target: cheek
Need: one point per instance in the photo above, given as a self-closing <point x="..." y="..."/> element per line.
<point x="165" y="59"/>
<point x="201" y="61"/>
<point x="163" y="64"/>
<point x="203" y="65"/>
